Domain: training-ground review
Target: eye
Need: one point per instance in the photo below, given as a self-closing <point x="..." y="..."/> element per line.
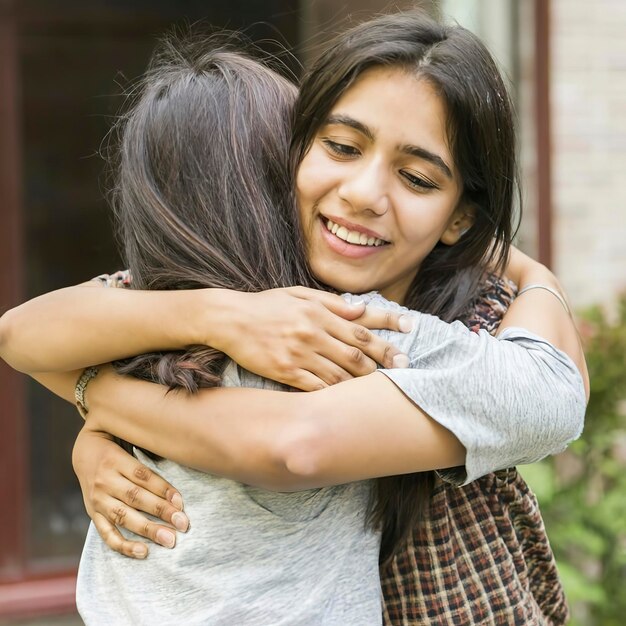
<point x="340" y="149"/>
<point x="417" y="182"/>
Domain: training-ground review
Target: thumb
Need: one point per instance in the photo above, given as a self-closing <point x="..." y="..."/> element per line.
<point x="353" y="307"/>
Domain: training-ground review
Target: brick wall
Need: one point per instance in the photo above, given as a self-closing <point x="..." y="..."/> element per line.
<point x="589" y="147"/>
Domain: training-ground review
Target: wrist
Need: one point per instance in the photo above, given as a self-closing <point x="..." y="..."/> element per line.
<point x="219" y="318"/>
<point x="96" y="395"/>
<point x="87" y="375"/>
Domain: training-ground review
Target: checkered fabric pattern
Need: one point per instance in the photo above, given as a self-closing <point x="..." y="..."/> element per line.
<point x="482" y="557"/>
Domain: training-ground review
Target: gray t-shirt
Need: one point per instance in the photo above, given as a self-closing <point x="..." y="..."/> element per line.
<point x="251" y="556"/>
<point x="254" y="557"/>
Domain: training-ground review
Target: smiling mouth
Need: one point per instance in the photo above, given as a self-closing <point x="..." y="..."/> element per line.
<point x="352" y="236"/>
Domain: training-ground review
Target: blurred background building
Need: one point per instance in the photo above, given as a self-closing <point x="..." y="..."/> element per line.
<point x="63" y="65"/>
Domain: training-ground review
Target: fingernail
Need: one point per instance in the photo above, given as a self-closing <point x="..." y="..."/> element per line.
<point x="140" y="552"/>
<point x="180" y="521"/>
<point x="357" y="302"/>
<point x="177" y="501"/>
<point x="165" y="538"/>
<point x="400" y="361"/>
<point x="405" y="323"/>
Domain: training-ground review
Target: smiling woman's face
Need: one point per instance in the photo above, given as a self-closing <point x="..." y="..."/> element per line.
<point x="378" y="188"/>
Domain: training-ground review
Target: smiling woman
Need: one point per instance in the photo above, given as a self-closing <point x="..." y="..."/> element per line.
<point x="380" y="167"/>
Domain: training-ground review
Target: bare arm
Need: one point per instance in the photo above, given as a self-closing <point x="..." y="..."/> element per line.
<point x="301" y="337"/>
<point x="522" y="391"/>
<point x="285" y="441"/>
<point x="540" y="312"/>
<point x="78" y="326"/>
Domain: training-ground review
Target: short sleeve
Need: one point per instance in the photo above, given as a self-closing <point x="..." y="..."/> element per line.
<point x="486" y="313"/>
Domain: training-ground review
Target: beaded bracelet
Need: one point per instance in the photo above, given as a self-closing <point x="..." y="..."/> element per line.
<point x="79" y="391"/>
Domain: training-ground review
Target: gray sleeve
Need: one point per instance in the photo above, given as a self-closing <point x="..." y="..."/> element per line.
<point x="509" y="400"/>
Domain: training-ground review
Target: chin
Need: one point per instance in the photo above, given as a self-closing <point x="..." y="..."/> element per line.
<point x="338" y="274"/>
<point x="343" y="284"/>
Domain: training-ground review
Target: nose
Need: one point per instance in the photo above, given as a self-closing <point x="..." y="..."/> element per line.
<point x="365" y="187"/>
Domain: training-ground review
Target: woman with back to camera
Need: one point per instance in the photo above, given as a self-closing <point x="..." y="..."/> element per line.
<point x="321" y="454"/>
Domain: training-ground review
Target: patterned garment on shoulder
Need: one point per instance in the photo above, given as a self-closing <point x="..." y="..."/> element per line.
<point x="120" y="279"/>
<point x="482" y="556"/>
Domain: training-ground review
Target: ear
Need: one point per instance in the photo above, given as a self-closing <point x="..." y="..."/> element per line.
<point x="461" y="221"/>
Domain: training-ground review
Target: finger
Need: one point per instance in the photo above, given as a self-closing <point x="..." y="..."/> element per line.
<point x="338" y="305"/>
<point x="305" y="381"/>
<point x="141" y="499"/>
<point x="116" y="541"/>
<point x="375" y="318"/>
<point x="358" y="350"/>
<point x="327" y="371"/>
<point x="122" y="516"/>
<point x="347" y="356"/>
<point x="142" y="476"/>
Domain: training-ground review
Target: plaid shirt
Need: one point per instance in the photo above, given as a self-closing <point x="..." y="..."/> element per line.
<point x="482" y="556"/>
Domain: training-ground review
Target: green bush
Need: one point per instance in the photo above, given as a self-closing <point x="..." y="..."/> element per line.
<point x="582" y="492"/>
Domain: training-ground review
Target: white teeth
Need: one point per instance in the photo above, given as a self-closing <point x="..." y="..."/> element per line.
<point x="342" y="233"/>
<point x="352" y="236"/>
<point x="332" y="227"/>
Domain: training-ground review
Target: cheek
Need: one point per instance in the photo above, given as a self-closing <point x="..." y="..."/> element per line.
<point x="302" y="195"/>
<point x="426" y="224"/>
<point x="316" y="176"/>
<point x="306" y="175"/>
<point x="419" y="231"/>
<point x="305" y="203"/>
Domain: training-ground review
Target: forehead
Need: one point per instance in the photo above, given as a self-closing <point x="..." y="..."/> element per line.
<point x="399" y="108"/>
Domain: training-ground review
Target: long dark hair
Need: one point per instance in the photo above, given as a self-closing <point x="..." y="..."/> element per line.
<point x="482" y="141"/>
<point x="203" y="194"/>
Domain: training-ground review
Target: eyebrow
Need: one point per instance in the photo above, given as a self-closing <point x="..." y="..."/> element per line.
<point x="416" y="151"/>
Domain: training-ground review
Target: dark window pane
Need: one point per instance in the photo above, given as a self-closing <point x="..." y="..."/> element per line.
<point x="67" y="84"/>
<point x="72" y="61"/>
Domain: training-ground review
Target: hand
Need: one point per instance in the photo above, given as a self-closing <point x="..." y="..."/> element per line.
<point x="117" y="488"/>
<point x="309" y="339"/>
